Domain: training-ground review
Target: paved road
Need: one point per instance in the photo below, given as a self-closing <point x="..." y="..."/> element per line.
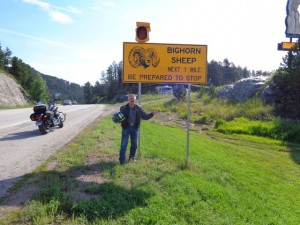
<point x="23" y="148"/>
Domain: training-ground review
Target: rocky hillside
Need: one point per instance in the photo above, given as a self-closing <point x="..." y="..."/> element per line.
<point x="11" y="93"/>
<point x="243" y="89"/>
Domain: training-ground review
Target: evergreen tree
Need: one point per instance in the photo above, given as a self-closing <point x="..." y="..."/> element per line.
<point x="112" y="81"/>
<point x="245" y="72"/>
<point x="22" y="72"/>
<point x="287" y="81"/>
<point x="98" y="92"/>
<point x="2" y="58"/>
<point x="88" y="93"/>
<point x="16" y="68"/>
<point x="215" y="75"/>
<point x="7" y="59"/>
<point x="38" y="90"/>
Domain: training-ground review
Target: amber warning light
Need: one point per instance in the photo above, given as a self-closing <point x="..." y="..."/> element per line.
<point x="142" y="31"/>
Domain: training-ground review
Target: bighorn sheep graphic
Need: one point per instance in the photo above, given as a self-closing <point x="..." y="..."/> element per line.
<point x="139" y="56"/>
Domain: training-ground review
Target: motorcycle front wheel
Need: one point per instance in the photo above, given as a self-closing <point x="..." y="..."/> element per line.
<point x="44" y="128"/>
<point x="61" y="124"/>
<point x="63" y="116"/>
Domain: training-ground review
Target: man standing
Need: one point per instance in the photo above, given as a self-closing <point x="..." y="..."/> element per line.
<point x="130" y="126"/>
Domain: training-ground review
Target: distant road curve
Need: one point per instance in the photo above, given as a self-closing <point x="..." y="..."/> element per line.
<point x="23" y="148"/>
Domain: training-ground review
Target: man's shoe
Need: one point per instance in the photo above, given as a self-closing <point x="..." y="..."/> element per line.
<point x="131" y="159"/>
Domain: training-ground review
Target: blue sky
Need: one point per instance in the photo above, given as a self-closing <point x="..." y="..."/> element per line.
<point x="78" y="39"/>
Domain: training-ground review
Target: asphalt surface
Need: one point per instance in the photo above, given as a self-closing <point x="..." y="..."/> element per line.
<point x="23" y="148"/>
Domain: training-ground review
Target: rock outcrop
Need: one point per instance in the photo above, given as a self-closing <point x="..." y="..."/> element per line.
<point x="243" y="89"/>
<point x="11" y="93"/>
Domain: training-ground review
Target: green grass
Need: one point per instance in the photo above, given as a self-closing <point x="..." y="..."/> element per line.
<point x="245" y="171"/>
<point x="15" y="107"/>
<point x="277" y="129"/>
<point x="207" y="108"/>
<point x="229" y="179"/>
<point x="231" y="117"/>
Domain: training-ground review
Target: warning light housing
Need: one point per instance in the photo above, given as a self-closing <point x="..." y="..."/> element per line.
<point x="142" y="31"/>
<point x="286" y="46"/>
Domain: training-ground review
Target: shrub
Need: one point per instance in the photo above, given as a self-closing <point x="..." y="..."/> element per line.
<point x="279" y="130"/>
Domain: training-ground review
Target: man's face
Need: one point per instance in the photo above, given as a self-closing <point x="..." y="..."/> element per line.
<point x="131" y="100"/>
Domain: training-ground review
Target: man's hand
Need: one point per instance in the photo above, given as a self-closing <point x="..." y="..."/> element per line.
<point x="154" y="112"/>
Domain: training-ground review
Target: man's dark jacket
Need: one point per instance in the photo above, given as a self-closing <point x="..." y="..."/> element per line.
<point x="139" y="115"/>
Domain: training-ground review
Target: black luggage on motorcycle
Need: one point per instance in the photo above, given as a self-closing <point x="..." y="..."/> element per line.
<point x="39" y="109"/>
<point x="32" y="117"/>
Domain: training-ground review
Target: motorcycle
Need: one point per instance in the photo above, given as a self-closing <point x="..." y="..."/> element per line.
<point x="46" y="116"/>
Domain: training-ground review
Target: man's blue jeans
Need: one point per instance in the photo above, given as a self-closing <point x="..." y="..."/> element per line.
<point x="131" y="131"/>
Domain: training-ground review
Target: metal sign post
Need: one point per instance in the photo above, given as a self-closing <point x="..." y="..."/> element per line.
<point x="139" y="131"/>
<point x="188" y="123"/>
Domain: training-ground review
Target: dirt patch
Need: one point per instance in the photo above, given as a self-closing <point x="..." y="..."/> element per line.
<point x="19" y="198"/>
<point x="92" y="159"/>
<point x="52" y="165"/>
<point x="170" y="120"/>
<point x="91" y="177"/>
<point x="16" y="200"/>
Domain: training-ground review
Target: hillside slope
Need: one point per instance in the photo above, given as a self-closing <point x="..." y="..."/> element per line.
<point x="11" y="93"/>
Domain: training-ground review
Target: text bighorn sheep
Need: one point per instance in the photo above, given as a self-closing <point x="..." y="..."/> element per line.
<point x="139" y="56"/>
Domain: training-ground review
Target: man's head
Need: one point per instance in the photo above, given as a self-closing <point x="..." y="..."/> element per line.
<point x="131" y="99"/>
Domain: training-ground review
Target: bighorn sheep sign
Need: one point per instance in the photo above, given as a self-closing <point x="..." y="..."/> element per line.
<point x="164" y="63"/>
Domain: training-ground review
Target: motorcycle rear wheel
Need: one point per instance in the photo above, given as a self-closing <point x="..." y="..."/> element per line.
<point x="44" y="128"/>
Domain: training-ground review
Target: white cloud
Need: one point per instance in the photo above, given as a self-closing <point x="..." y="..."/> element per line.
<point x="35" y="38"/>
<point x="55" y="15"/>
<point x="102" y="5"/>
<point x="69" y="9"/>
<point x="73" y="10"/>
<point x="60" y="17"/>
<point x="41" y="4"/>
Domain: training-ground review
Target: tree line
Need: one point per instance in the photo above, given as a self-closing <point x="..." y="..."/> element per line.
<point x="40" y="87"/>
<point x="29" y="79"/>
<point x="67" y="90"/>
<point x="110" y="86"/>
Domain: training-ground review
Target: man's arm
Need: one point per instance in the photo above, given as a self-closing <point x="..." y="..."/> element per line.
<point x="144" y="115"/>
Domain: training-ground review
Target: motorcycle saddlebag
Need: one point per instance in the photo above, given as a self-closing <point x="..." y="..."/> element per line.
<point x="39" y="109"/>
<point x="32" y="117"/>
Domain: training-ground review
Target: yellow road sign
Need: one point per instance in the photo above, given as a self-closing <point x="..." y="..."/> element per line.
<point x="286" y="46"/>
<point x="164" y="63"/>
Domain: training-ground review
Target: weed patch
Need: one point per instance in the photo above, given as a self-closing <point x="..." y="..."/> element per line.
<point x="277" y="130"/>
